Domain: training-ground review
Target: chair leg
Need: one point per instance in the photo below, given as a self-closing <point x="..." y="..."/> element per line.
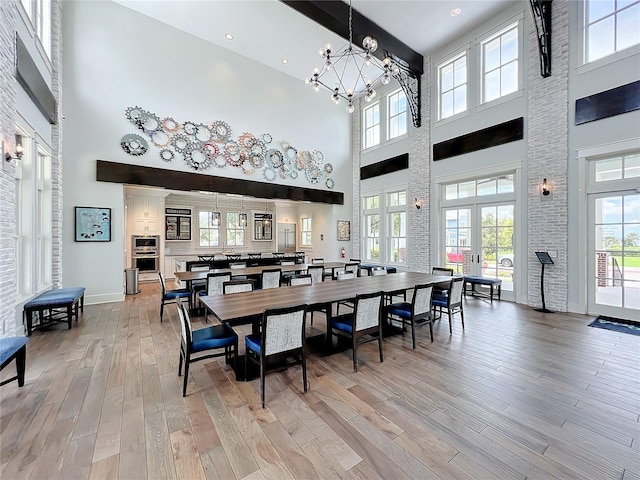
<point x="462" y="316"/>
<point x="380" y="341"/>
<point x="246" y="360"/>
<point x="21" y="361"/>
<point x="186" y="376"/>
<point x="355" y="354"/>
<point x="431" y="329"/>
<point x="235" y="359"/>
<point x="450" y="320"/>
<point x="413" y="332"/>
<point x="311" y="317"/>
<point x="161" y="310"/>
<point x="180" y="364"/>
<point x="304" y="371"/>
<point x="262" y="394"/>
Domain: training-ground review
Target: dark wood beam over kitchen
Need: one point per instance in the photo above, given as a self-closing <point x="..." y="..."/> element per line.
<point x="186" y="181"/>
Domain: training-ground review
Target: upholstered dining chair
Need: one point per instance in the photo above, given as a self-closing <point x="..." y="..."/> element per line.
<point x="438" y="290"/>
<point x="218" y="338"/>
<point x="340" y="276"/>
<point x="452" y="301"/>
<point x="366" y="319"/>
<point x="300" y="280"/>
<point x="316" y="272"/>
<point x="282" y="332"/>
<point x="418" y="310"/>
<point x="198" y="286"/>
<point x="286" y="274"/>
<point x="233" y="257"/>
<point x="378" y="271"/>
<point x="215" y="282"/>
<point x="237" y="286"/>
<point x="271" y="278"/>
<point x="238" y="266"/>
<point x="171" y="296"/>
<point x="352" y="267"/>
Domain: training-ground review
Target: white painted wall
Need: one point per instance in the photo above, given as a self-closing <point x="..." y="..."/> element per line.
<point x="115" y="58"/>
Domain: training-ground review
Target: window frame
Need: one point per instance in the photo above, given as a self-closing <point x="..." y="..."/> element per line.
<point x="390" y="210"/>
<point x="451" y="60"/>
<point x="366" y="127"/>
<point x="235" y="230"/>
<point x="367" y="212"/>
<point x="209" y="228"/>
<point x="389" y="117"/>
<point x="585" y="34"/>
<point x="306" y="234"/>
<point x="513" y="24"/>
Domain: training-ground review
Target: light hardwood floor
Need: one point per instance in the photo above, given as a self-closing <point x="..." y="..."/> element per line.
<point x="516" y="395"/>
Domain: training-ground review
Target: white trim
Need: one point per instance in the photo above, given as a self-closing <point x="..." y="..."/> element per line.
<point x="476" y="173"/>
<point x="608" y="148"/>
<point x="104" y="298"/>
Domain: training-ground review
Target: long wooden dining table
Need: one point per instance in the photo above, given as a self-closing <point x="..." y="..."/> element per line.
<point x="247" y="307"/>
<point x="189" y="277"/>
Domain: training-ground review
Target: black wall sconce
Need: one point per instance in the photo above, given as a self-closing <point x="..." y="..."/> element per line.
<point x="417" y="203"/>
<point x="17" y="154"/>
<point x="545" y="188"/>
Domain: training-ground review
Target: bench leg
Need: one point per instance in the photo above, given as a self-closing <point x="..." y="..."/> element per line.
<point x="29" y="322"/>
<point x="21" y="362"/>
<point x="491" y="292"/>
<point x="69" y="315"/>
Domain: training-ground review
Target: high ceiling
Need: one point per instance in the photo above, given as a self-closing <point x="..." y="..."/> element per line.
<point x="268" y="31"/>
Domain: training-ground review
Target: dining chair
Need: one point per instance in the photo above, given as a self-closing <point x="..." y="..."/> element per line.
<point x="316" y="272"/>
<point x="300" y="280"/>
<point x="438" y="290"/>
<point x="215" y="283"/>
<point x="352" y="267"/>
<point x="171" y="296"/>
<point x="317" y="261"/>
<point x="452" y="301"/>
<point x="284" y="278"/>
<point x="233" y="257"/>
<point x="416" y="311"/>
<point x="238" y="266"/>
<point x="282" y="332"/>
<point x="271" y="278"/>
<point x="198" y="286"/>
<point x="237" y="286"/>
<point x="378" y="271"/>
<point x="365" y="320"/>
<point x="340" y="276"/>
<point x="213" y="338"/>
<point x="278" y="255"/>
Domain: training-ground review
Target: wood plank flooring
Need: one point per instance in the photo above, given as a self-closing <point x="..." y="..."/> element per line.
<point x="518" y="394"/>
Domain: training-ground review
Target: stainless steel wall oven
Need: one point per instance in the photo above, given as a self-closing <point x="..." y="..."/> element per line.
<point x="145" y="254"/>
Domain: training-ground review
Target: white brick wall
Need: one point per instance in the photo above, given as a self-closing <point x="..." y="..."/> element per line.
<point x="419" y="241"/>
<point x="547" y="145"/>
<point x="56" y="144"/>
<point x="356" y="141"/>
<point x="8" y="87"/>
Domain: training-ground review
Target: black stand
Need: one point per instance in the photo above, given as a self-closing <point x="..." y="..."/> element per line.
<point x="544" y="307"/>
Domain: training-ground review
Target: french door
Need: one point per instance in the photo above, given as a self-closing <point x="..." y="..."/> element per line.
<point x="613" y="266"/>
<point x="479" y="240"/>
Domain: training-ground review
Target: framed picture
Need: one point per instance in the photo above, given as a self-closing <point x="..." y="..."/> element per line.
<point x="344" y="230"/>
<point x="92" y="224"/>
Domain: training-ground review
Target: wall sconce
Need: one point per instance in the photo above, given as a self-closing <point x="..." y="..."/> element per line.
<point x="17" y="154"/>
<point x="417" y="203"/>
<point x="545" y="187"/>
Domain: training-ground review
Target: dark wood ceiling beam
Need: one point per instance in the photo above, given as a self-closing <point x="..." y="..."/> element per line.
<point x="334" y="16"/>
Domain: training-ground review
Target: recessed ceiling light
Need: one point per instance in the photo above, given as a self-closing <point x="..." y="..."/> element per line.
<point x="455" y="12"/>
<point x="285" y="61"/>
<point x="228" y="36"/>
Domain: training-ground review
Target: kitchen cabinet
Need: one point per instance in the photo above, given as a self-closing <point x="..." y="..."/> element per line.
<point x="177" y="224"/>
<point x="142" y="226"/>
<point x="145" y="215"/>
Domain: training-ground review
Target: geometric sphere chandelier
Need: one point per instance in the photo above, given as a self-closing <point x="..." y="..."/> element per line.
<point x="352" y="71"/>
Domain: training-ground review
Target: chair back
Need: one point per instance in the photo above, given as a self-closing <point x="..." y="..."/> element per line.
<point x="233" y="257"/>
<point x="441" y="271"/>
<point x="278" y="255"/>
<point x="287" y="262"/>
<point x="377" y="271"/>
<point x="162" y="284"/>
<point x="237" y="286"/>
<point x="300" y="280"/>
<point x="198" y="267"/>
<point x="455" y="291"/>
<point x="254" y="256"/>
<point x="366" y="311"/>
<point x="345" y="276"/>
<point x="317" y="261"/>
<point x="355" y="260"/>
<point x="352" y="267"/>
<point x="283" y="329"/>
<point x="421" y="303"/>
<point x="316" y="273"/>
<point x="299" y="256"/>
<point x="215" y="282"/>
<point x="185" y="323"/>
<point x="271" y="278"/>
<point x="237" y="265"/>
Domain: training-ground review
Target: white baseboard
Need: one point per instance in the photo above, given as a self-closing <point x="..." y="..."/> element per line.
<point x="576" y="308"/>
<point x="104" y="298"/>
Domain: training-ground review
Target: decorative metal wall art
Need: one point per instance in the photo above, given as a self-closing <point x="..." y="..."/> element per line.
<point x="212" y="145"/>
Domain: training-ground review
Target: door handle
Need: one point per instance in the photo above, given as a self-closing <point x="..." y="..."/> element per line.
<point x="478" y="258"/>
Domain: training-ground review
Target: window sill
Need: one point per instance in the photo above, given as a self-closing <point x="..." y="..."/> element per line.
<point x="451" y="119"/>
<point x="500" y="101"/>
<point x="608" y="60"/>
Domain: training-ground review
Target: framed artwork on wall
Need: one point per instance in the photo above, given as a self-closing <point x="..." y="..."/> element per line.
<point x="344" y="230"/>
<point x="92" y="224"/>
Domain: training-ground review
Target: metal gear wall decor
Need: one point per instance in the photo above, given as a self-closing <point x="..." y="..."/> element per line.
<point x="204" y="146"/>
<point x="134" y="144"/>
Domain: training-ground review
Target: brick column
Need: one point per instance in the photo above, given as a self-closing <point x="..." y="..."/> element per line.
<point x="56" y="144"/>
<point x="356" y="142"/>
<point x="547" y="145"/>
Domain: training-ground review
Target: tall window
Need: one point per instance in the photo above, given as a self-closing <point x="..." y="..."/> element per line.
<point x="305" y="232"/>
<point x="43" y="24"/>
<point x="396" y="114"/>
<point x="28" y="7"/>
<point x="372" y="126"/>
<point x="500" y="64"/>
<point x="235" y="232"/>
<point x="452" y="78"/>
<point x="43" y="214"/>
<point x="371" y="228"/>
<point x="610" y="26"/>
<point x="397" y="227"/>
<point x="208" y="233"/>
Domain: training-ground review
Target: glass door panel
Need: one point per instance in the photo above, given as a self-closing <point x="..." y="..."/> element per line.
<point x="458" y="240"/>
<point x="614" y="269"/>
<point x="497" y="254"/>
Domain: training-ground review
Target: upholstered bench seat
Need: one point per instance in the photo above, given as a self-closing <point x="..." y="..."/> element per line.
<point x="494" y="284"/>
<point x="368" y="268"/>
<point x="57" y="305"/>
<point x="14" y="348"/>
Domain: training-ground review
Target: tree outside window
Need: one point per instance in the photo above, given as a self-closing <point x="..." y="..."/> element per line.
<point x="235" y="232"/>
<point x="208" y="233"/>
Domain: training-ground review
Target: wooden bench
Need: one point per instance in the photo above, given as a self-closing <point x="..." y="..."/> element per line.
<point x="14" y="348"/>
<point x="57" y="305"/>
<point x="493" y="283"/>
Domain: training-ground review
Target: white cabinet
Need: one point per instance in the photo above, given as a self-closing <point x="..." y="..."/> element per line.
<point x="146" y="215"/>
<point x="169" y="267"/>
<point x="143" y="226"/>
